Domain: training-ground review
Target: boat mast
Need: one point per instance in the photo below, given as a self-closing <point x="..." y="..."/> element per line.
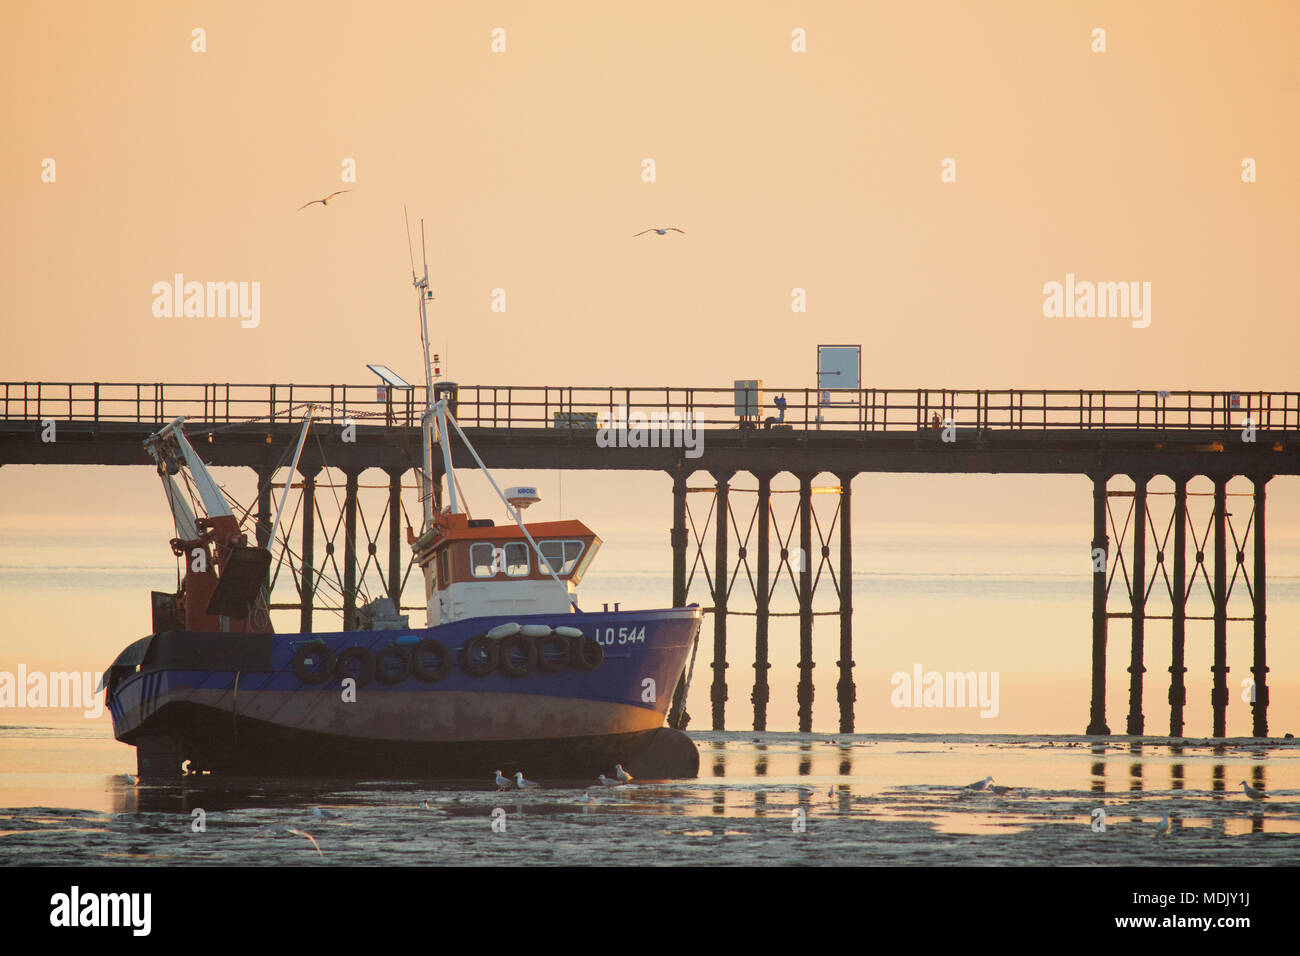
<point x="424" y="293"/>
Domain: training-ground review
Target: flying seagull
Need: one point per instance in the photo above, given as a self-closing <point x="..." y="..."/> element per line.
<point x="660" y="232"/>
<point x="979" y="784"/>
<point x="622" y="774"/>
<point x="1252" y="792"/>
<point x="524" y="784"/>
<point x="503" y="783"/>
<point x="325" y="201"/>
<point x="1162" y="828"/>
<point x="281" y="828"/>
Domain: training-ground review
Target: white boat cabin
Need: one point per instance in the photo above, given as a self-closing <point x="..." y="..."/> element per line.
<point x="476" y="569"/>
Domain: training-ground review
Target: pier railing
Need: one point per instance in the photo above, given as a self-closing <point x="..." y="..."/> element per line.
<point x="579" y="407"/>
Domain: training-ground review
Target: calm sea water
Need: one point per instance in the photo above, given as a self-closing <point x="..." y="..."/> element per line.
<point x="760" y="799"/>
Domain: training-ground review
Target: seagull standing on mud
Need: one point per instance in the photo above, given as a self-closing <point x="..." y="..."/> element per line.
<point x="1252" y="792"/>
<point x="979" y="784"/>
<point x="622" y="774"/>
<point x="607" y="781"/>
<point x="1162" y="828"/>
<point x="660" y="232"/>
<point x="325" y="201"/>
<point x="524" y="784"/>
<point x="503" y="783"/>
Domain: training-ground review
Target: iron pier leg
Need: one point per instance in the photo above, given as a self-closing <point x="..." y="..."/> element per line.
<point x="1219" y="696"/>
<point x="350" y="552"/>
<point x="677" y="538"/>
<point x="846" y="692"/>
<point x="1178" y="667"/>
<point x="761" y="664"/>
<point x="722" y="519"/>
<point x="1135" y="667"/>
<point x="1259" y="667"/>
<point x="264" y="512"/>
<point x="1097" y="720"/>
<point x="805" y="692"/>
<point x="395" y="539"/>
<point x="307" y="588"/>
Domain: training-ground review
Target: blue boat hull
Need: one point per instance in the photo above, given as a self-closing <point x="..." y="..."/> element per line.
<point x="234" y="703"/>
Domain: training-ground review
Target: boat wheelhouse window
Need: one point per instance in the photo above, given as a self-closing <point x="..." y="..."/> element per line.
<point x="517" y="559"/>
<point x="562" y="556"/>
<point x="489" y="560"/>
<point x="482" y="560"/>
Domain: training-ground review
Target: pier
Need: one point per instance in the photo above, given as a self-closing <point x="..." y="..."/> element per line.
<point x="1161" y="466"/>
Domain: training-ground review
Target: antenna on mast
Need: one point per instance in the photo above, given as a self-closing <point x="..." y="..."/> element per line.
<point x="422" y="285"/>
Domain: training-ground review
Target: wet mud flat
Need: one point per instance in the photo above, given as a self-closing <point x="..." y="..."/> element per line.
<point x="761" y="800"/>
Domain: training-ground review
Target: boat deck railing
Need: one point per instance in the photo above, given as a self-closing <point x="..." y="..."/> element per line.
<point x="586" y="407"/>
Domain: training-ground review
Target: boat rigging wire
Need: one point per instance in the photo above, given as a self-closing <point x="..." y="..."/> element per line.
<point x="297" y="455"/>
<point x="510" y="509"/>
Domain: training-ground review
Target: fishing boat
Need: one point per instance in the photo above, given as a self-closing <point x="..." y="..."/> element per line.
<point x="508" y="674"/>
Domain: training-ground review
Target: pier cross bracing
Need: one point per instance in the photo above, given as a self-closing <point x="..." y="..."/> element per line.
<point x="1161" y="463"/>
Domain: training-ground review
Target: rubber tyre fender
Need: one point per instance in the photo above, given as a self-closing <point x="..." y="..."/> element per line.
<point x="585" y="654"/>
<point x="362" y="655"/>
<point x="559" y="660"/>
<point x="518" y="642"/>
<point x="475" y="668"/>
<point x="390" y="651"/>
<point x="313" y="649"/>
<point x="431" y="674"/>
